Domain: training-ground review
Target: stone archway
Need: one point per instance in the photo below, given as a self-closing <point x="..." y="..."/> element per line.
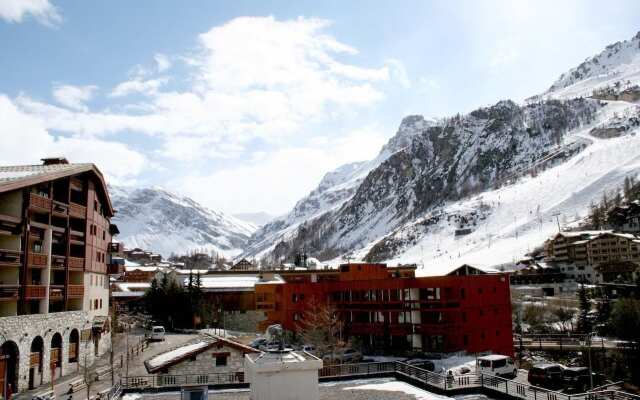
<point x="35" y="362"/>
<point x="55" y="360"/>
<point x="9" y="368"/>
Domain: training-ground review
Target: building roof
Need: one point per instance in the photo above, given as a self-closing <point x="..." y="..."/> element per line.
<point x="224" y="283"/>
<point x="14" y="177"/>
<point x="177" y="355"/>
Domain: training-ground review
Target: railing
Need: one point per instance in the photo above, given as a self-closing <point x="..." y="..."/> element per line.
<point x="334" y="371"/>
<point x="9" y="292"/>
<point x="76" y="263"/>
<point x="560" y="342"/>
<point x="488" y="384"/>
<point x="75" y="290"/>
<point x="10" y="257"/>
<point x="57" y="261"/>
<point x="37" y="260"/>
<point x="59" y="208"/>
<point x="160" y="381"/>
<point x="35" y="291"/>
<point x="56" y="292"/>
<point x="41" y="202"/>
<point x="77" y="211"/>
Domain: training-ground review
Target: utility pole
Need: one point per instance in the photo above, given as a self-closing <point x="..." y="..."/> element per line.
<point x="590" y="337"/>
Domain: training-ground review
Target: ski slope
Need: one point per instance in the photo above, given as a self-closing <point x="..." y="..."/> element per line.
<point x="521" y="216"/>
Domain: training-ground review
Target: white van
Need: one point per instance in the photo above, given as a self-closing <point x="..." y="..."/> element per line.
<point x="496" y="364"/>
<point x="157" y="333"/>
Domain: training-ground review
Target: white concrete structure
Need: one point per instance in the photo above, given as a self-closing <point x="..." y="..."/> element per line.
<point x="283" y="375"/>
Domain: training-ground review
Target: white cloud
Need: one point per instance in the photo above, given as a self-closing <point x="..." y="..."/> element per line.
<point x="42" y="10"/>
<point x="278" y="179"/>
<point x="252" y="78"/>
<point x="162" y="62"/>
<point x="119" y="163"/>
<point x="136" y="85"/>
<point x="74" y="97"/>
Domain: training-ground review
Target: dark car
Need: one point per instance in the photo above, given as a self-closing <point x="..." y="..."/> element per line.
<point x="576" y="379"/>
<point x="546" y="375"/>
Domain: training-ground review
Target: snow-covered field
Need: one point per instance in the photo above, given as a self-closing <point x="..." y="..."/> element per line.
<point x="522" y="215"/>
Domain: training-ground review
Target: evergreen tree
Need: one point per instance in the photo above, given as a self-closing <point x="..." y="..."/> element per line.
<point x="584" y="324"/>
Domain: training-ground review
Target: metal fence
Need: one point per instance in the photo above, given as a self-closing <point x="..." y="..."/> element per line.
<point x="439" y="382"/>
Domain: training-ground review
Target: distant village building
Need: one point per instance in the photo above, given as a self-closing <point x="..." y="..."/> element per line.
<point x="209" y="354"/>
<point x="625" y="218"/>
<point x="142" y="256"/>
<point x="243" y="265"/>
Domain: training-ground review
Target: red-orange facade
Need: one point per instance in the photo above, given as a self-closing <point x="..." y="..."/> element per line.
<point x="389" y="309"/>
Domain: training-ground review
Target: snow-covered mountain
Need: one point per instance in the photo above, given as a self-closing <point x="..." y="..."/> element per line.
<point x="335" y="188"/>
<point x="258" y="219"/>
<point x="479" y="188"/>
<point x="158" y="220"/>
<point x="618" y="62"/>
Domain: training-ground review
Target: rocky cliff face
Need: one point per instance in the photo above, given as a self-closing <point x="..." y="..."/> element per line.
<point x="444" y="161"/>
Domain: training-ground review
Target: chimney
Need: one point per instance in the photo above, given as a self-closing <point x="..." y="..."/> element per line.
<point x="54" y="161"/>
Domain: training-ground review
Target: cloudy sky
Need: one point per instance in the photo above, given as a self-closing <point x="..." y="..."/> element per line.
<point x="244" y="105"/>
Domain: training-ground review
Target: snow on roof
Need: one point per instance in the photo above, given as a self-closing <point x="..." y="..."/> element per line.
<point x="169" y="356"/>
<point x="128" y="286"/>
<point x="152" y="268"/>
<point x="217" y="283"/>
<point x="493" y="357"/>
<point x="127" y="294"/>
<point x="391" y="385"/>
<point x="128" y="263"/>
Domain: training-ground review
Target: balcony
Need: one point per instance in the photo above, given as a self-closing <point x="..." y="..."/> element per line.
<point x="76" y="237"/>
<point x="10" y="258"/>
<point x="9" y="224"/>
<point x="77" y="211"/>
<point x="9" y="292"/>
<point x="76" y="263"/>
<point x="39" y="203"/>
<point x="60" y="209"/>
<point x="37" y="260"/>
<point x="56" y="292"/>
<point x="75" y="291"/>
<point x="57" y="262"/>
<point x="35" y="292"/>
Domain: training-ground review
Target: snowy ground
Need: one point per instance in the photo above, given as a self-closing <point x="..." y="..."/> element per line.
<point x="522" y="215"/>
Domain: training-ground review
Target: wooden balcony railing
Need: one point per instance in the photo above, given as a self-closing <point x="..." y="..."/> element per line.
<point x="37" y="260"/>
<point x="9" y="292"/>
<point x="35" y="291"/>
<point x="10" y="258"/>
<point x="56" y="292"/>
<point x="34" y="359"/>
<point x="76" y="263"/>
<point x="77" y="211"/>
<point x="59" y="208"/>
<point x="39" y="202"/>
<point x="75" y="291"/>
<point x="57" y="261"/>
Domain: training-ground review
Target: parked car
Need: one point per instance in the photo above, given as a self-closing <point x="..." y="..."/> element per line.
<point x="546" y="375"/>
<point x="576" y="378"/>
<point x="496" y="364"/>
<point x="257" y="343"/>
<point x="343" y="357"/>
<point x="309" y="348"/>
<point x="157" y="333"/>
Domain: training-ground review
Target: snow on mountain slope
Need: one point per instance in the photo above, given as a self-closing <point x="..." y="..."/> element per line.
<point x="157" y="220"/>
<point x="506" y="223"/>
<point x="618" y="62"/>
<point x="335" y="188"/>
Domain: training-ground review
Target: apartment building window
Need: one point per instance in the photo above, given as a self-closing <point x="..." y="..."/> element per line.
<point x="101" y="304"/>
<point x="104" y="235"/>
<point x="221" y="360"/>
<point x="294" y="297"/>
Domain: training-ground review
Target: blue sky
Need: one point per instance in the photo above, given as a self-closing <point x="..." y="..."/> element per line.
<point x="244" y="105"/>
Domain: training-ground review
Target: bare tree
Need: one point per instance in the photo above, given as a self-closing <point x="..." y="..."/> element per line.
<point x="321" y="326"/>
